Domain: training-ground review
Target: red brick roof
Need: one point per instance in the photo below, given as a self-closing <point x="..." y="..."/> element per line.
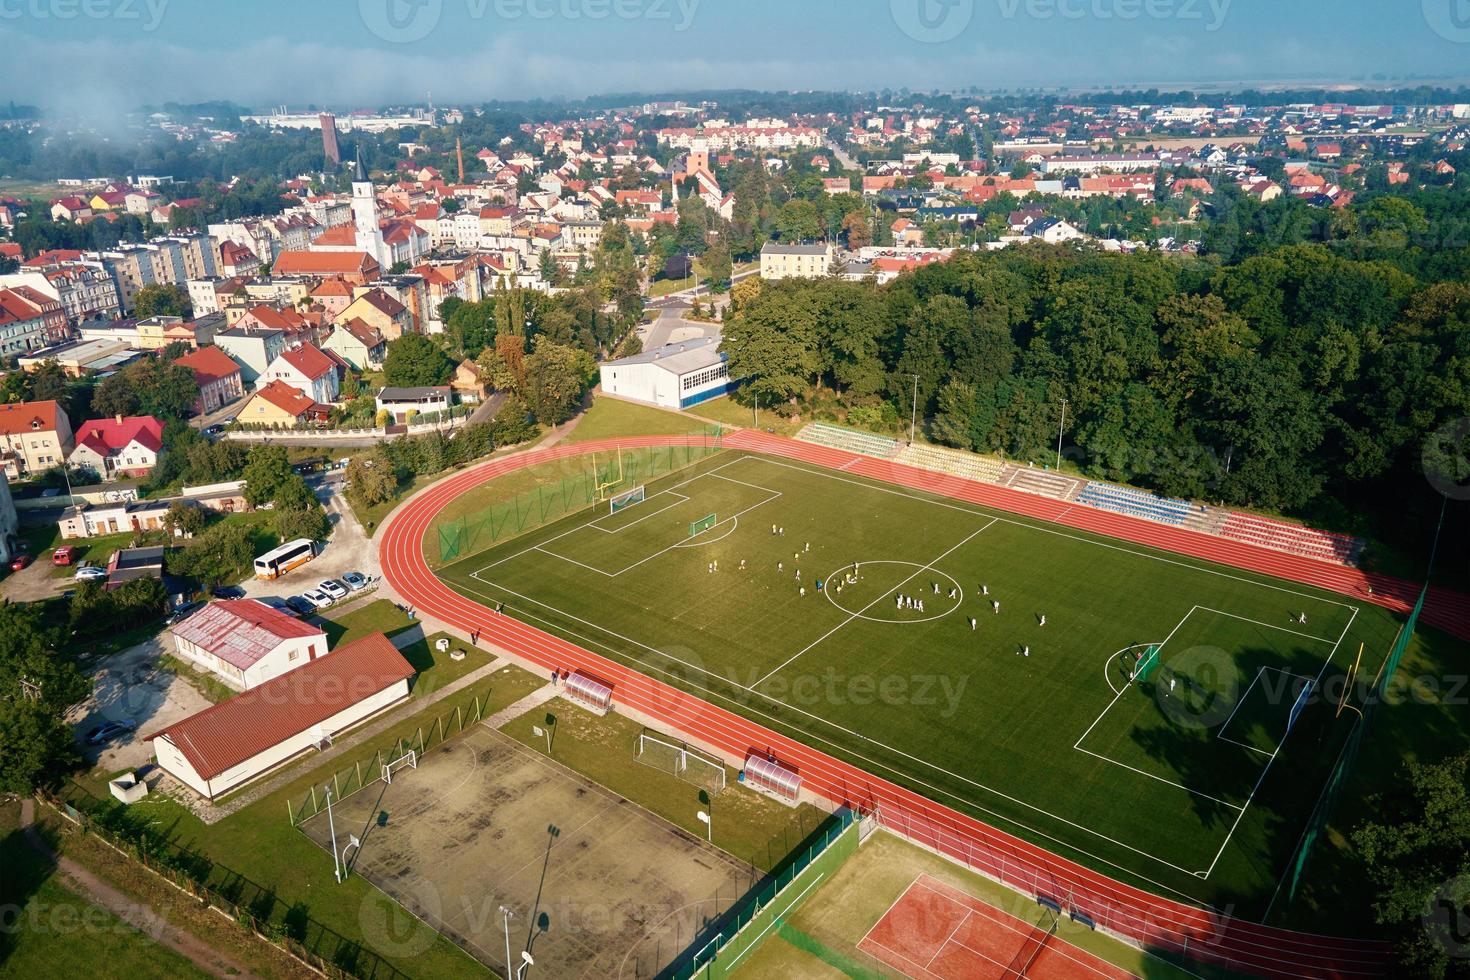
<point x="309" y="360"/>
<point x="21" y="417"/>
<point x="325" y="263"/>
<point x="209" y="365"/>
<point x="286" y="398"/>
<point x="219" y="738"/>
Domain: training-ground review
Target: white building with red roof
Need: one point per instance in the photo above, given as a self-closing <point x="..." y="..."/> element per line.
<point x="233" y="742"/>
<point x="310" y="370"/>
<point x="118" y="447"/>
<point x="246" y="643"/>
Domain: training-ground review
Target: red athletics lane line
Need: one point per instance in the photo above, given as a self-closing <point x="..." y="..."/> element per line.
<point x="1123" y="908"/>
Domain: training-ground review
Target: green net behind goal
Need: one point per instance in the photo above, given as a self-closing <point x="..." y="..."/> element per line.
<point x="702" y="525"/>
<point x="1147" y="665"/>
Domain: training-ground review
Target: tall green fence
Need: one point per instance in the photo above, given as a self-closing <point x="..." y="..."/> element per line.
<point x="763" y="911"/>
<point x="1327" y="802"/>
<point x="605" y="474"/>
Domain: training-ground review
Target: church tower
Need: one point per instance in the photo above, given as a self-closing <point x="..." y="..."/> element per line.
<point x="698" y="157"/>
<point x="368" y="235"/>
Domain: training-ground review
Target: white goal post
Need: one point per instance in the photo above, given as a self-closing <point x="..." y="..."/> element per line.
<point x="680" y="760"/>
<point x="409" y="760"/>
<point x="626" y="499"/>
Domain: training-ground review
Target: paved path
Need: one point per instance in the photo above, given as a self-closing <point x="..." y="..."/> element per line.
<point x="530" y="702"/>
<point x="141" y="917"/>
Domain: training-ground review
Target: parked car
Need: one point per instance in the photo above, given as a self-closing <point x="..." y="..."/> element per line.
<point x="302" y="605"/>
<point x="318" y="598"/>
<point x="67" y="554"/>
<point x="19" y="561"/>
<point x="90" y="573"/>
<point x="107" y="731"/>
<point x="278" y="604"/>
<point x="214" y="430"/>
<point x="356" y="581"/>
<point x="228" y="592"/>
<point x="183" y="612"/>
<point x="333" y="588"/>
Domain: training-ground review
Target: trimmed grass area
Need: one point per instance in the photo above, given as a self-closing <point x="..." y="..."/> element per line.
<point x="839" y="913"/>
<point x="610" y="417"/>
<point x="663" y="287"/>
<point x="727" y="411"/>
<point x="54" y="932"/>
<point x="1187" y="782"/>
<point x="205" y="683"/>
<point x="287" y="879"/>
<point x="378" y="616"/>
<point x="436" y="669"/>
<point x="754" y="828"/>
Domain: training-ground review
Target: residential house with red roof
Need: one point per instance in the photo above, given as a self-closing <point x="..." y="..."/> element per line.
<point x="358" y="343"/>
<point x="218" y="376"/>
<point x="382" y="312"/>
<point x="238" y="740"/>
<point x="309" y="370"/>
<point x="277" y="405"/>
<point x="54" y="326"/>
<point x="22" y="324"/>
<point x="246" y="643"/>
<point x="118" y="447"/>
<point x="333" y="296"/>
<point x="34" y="437"/>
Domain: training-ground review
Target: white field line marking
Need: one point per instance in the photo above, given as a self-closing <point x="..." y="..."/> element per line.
<point x="1262" y="778"/>
<point x="583" y="525"/>
<point x="1269" y="626"/>
<point x="927" y="567"/>
<point x="597" y="524"/>
<point x="889" y="911"/>
<point x="1260" y="671"/>
<point x="776" y="919"/>
<point x="1004" y="519"/>
<point x="844" y="749"/>
<point x="1169" y="782"/>
<point x="1158" y="653"/>
<point x="950" y="938"/>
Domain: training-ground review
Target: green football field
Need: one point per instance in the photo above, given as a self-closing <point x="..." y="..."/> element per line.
<point x="1185" y="780"/>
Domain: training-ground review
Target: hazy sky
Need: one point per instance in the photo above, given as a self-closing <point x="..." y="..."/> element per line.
<point x="105" y="54"/>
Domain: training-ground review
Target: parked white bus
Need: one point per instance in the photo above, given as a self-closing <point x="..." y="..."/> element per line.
<point x="275" y="563"/>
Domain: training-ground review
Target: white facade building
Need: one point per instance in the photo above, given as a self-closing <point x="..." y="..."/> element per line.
<point x="672" y="376"/>
<point x="246" y="643"/>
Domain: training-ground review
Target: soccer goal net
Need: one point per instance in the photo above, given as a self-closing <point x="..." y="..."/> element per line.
<point x="678" y="759"/>
<point x="622" y="501"/>
<point x="702" y="525"/>
<point x="409" y="760"/>
<point x="1147" y="664"/>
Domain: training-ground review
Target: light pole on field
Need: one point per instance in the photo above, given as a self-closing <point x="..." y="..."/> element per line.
<point x="914" y="412"/>
<point x="1060" y="427"/>
<point x="505" y="914"/>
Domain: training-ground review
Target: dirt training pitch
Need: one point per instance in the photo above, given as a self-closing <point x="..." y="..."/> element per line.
<point x="613" y="891"/>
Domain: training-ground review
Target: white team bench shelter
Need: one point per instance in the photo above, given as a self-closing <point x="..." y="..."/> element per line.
<point x="225" y="746"/>
<point x="672" y="376"/>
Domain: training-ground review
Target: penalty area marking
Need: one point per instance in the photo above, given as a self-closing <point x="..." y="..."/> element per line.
<point x="700" y="539"/>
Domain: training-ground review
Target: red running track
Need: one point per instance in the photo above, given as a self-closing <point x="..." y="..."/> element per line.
<point x="1160" y="923"/>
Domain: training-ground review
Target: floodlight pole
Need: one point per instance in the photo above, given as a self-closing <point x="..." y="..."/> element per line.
<point x="332" y="830"/>
<point x="914" y="412"/>
<point x="505" y="914"/>
<point x="1060" y="428"/>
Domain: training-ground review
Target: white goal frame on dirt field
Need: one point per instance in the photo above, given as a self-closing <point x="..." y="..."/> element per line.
<point x="626" y="499"/>
<point x="678" y="758"/>
<point x="409" y="760"/>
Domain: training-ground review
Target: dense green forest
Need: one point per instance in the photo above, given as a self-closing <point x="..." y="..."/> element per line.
<point x="1300" y="376"/>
